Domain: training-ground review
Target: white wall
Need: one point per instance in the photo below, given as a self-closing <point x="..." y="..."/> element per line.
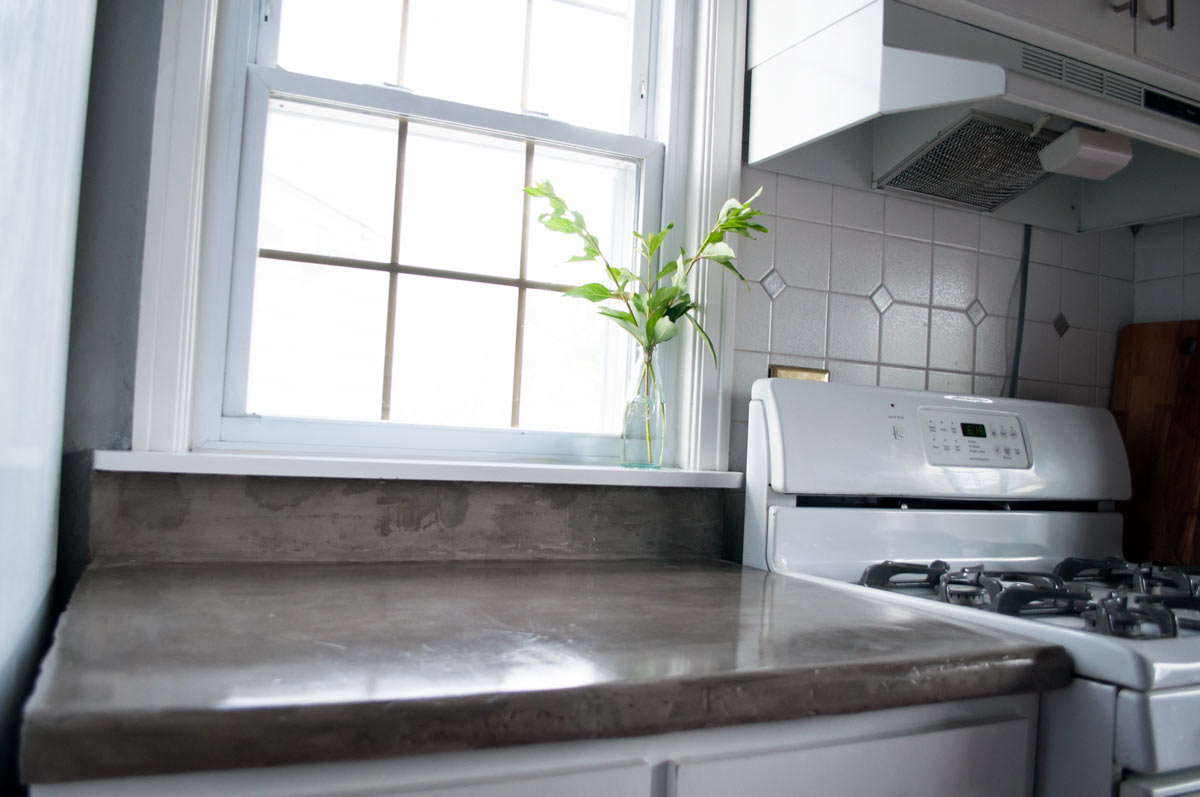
<point x="1167" y="271"/>
<point x="895" y="292"/>
<point x="45" y="57"/>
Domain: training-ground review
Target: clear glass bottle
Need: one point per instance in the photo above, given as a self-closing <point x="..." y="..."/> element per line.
<point x="643" y="431"/>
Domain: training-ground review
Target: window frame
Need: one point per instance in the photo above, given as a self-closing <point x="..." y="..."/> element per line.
<point x="195" y="161"/>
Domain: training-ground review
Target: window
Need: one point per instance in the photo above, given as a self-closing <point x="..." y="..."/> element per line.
<point x="248" y="194"/>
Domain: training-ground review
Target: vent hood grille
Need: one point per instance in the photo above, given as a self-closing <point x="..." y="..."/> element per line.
<point x="1080" y="75"/>
<point x="981" y="162"/>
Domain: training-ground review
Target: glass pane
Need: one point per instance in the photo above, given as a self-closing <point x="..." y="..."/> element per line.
<point x="466" y="51"/>
<point x="573" y="372"/>
<point x="604" y="190"/>
<point x="316" y="341"/>
<point x="329" y="180"/>
<point x="461" y="208"/>
<point x="582" y="78"/>
<point x="454" y="353"/>
<point x="357" y="41"/>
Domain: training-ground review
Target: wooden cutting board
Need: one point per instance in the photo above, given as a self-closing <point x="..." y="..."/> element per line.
<point x="1156" y="401"/>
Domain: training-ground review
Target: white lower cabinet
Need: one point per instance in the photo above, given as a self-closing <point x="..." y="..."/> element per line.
<point x="978" y="747"/>
<point x="981" y="760"/>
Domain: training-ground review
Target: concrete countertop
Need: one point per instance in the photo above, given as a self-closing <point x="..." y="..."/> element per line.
<point x="175" y="668"/>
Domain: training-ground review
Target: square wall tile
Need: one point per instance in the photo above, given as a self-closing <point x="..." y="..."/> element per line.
<point x="752" y="327"/>
<point x="853" y="373"/>
<point x="1000" y="237"/>
<point x="1077" y="358"/>
<point x="1158" y="251"/>
<point x="995" y="338"/>
<point x="999" y="292"/>
<point x="956" y="228"/>
<point x="1106" y="358"/>
<point x="1041" y="299"/>
<point x="1116" y="304"/>
<point x="804" y="199"/>
<point x="1191" y="245"/>
<point x="990" y="386"/>
<point x="905" y="336"/>
<point x="853" y="329"/>
<point x="1191" y="297"/>
<point x="752" y="180"/>
<point x="798" y="323"/>
<point x="907" y="219"/>
<point x="738" y="434"/>
<point x="1116" y="253"/>
<point x="907" y="269"/>
<point x="1158" y="300"/>
<point x="1081" y="252"/>
<point x="942" y="381"/>
<point x="1077" y="394"/>
<point x="1080" y="300"/>
<point x="951" y="341"/>
<point x="748" y="366"/>
<point x="955" y="275"/>
<point x="857" y="261"/>
<point x="903" y="378"/>
<point x="1039" y="352"/>
<point x="802" y="254"/>
<point x="755" y="256"/>
<point x="1045" y="246"/>
<point x="1036" y="390"/>
<point x="862" y="210"/>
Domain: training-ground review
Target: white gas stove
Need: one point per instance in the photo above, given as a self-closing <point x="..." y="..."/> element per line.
<point x="996" y="512"/>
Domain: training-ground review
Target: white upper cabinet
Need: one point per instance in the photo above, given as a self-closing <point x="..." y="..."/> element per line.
<point x="1165" y="32"/>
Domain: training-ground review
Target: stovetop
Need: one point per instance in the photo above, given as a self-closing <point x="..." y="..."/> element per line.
<point x="1107" y="596"/>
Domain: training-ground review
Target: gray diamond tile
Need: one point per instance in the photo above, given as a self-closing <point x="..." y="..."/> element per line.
<point x="772" y="283"/>
<point x="882" y="299"/>
<point x="976" y="312"/>
<point x="1060" y="324"/>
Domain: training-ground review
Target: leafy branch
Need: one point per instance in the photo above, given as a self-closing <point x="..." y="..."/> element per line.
<point x="651" y="308"/>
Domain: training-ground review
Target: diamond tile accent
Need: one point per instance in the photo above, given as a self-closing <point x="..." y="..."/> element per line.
<point x="882" y="299"/>
<point x="1060" y="324"/>
<point x="772" y="283"/>
<point x="976" y="312"/>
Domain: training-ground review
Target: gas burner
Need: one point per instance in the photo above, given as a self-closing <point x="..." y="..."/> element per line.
<point x="1131" y="616"/>
<point x="1116" y="573"/>
<point x="879" y="576"/>
<point x="1110" y="569"/>
<point x="1162" y="580"/>
<point x="1012" y="592"/>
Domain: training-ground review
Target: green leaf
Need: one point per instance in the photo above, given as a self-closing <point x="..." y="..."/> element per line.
<point x="558" y="224"/>
<point x="664" y="330"/>
<point x="728" y="208"/>
<point x="619" y="315"/>
<point x="632" y="329"/>
<point x="666" y="270"/>
<point x="593" y="292"/>
<point x="674" y="312"/>
<point x="639" y="303"/>
<point x="704" y="335"/>
<point x="664" y="295"/>
<point x="581" y="258"/>
<point x="717" y="250"/>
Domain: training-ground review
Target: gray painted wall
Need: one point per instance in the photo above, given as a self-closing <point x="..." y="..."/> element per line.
<point x="108" y="258"/>
<point x="45" y="55"/>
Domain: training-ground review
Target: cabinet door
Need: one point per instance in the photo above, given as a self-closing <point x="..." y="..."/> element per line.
<point x="1093" y="20"/>
<point x="1176" y="48"/>
<point x="989" y="760"/>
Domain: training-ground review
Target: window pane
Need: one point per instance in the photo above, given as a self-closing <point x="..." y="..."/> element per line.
<point x="573" y="372"/>
<point x="467" y="51"/>
<point x="604" y="190"/>
<point x="454" y="353"/>
<point x="583" y="78"/>
<point x="357" y="41"/>
<point x="316" y="341"/>
<point x="461" y="208"/>
<point x="329" y="180"/>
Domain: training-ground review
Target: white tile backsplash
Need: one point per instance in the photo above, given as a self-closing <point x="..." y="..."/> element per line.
<point x="1166" y="262"/>
<point x="1158" y="251"/>
<point x="1158" y="300"/>
<point x="836" y="247"/>
<point x="752" y="180"/>
<point x="802" y="253"/>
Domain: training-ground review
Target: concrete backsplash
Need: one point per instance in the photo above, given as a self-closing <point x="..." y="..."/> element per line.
<point x="151" y="517"/>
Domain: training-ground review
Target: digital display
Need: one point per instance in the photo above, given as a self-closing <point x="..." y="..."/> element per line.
<point x="974" y="430"/>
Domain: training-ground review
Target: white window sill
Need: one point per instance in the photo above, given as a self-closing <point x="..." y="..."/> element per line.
<point x="427" y="470"/>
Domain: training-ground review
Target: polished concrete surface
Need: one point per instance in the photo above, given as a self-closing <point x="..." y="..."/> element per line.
<point x="172" y="668"/>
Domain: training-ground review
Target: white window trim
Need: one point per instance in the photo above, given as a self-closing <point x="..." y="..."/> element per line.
<point x="167" y="418"/>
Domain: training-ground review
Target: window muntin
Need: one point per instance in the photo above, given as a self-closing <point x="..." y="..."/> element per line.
<point x="556" y="382"/>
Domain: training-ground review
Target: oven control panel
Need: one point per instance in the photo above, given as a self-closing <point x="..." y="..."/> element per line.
<point x="973" y="439"/>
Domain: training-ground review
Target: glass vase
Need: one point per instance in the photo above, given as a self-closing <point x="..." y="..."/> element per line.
<point x="643" y="430"/>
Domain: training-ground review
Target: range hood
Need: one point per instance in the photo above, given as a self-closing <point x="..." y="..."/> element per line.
<point x="902" y="99"/>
